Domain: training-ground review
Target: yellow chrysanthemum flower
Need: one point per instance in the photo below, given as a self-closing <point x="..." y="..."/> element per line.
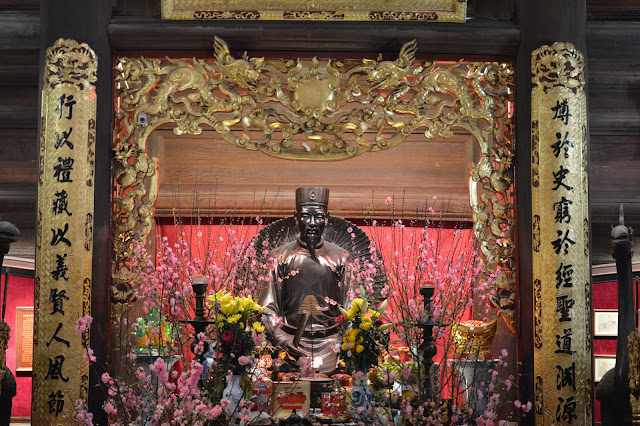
<point x="365" y="325"/>
<point x="359" y="348"/>
<point x="351" y="335"/>
<point x="258" y="327"/>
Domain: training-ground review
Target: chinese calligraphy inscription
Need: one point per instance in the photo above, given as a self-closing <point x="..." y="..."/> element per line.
<point x="64" y="201"/>
<point x="560" y="210"/>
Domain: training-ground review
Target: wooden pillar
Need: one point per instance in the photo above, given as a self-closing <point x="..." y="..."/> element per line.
<point x="541" y="23"/>
<point x="86" y="22"/>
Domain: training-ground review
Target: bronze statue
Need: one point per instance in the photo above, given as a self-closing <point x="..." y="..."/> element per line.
<point x="613" y="390"/>
<point x="308" y="278"/>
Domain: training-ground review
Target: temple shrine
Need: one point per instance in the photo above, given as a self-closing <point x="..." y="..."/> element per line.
<point x="302" y="213"/>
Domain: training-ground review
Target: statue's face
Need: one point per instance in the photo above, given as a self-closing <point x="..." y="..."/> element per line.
<point x="311" y="221"/>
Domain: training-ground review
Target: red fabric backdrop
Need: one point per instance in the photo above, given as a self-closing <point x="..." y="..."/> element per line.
<point x="605" y="296"/>
<point x="19" y="294"/>
<point x="449" y="242"/>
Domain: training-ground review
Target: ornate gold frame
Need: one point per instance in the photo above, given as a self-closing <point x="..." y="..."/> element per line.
<point x="326" y="10"/>
<point x="375" y="103"/>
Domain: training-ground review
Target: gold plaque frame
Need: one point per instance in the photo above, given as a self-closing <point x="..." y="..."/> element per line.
<point x="323" y="110"/>
<point x="326" y="10"/>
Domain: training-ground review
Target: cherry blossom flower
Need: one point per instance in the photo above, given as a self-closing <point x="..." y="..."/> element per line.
<point x="83" y="323"/>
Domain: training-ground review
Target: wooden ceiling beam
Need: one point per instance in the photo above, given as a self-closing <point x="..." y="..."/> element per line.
<point x="476" y="37"/>
<point x="19" y="31"/>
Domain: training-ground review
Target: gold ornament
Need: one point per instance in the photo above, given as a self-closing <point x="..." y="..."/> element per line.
<point x="326" y="10"/>
<point x="473" y="338"/>
<point x="317" y="110"/>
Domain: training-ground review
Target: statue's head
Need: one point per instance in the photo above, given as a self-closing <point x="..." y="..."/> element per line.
<point x="311" y="213"/>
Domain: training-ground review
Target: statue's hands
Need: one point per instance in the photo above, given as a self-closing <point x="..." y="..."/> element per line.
<point x="295" y="352"/>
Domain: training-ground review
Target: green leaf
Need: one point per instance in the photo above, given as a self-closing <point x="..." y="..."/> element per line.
<point x="363" y="294"/>
<point x="342" y="311"/>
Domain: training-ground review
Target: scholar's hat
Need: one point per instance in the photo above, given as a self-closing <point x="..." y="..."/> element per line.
<point x="312" y="195"/>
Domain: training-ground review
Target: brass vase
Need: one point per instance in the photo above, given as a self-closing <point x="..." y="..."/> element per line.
<point x="473" y="338"/>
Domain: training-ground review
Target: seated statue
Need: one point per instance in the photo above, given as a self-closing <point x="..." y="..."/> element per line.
<point x="309" y="273"/>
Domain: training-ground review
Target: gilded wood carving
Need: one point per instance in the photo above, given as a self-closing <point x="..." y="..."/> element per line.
<point x="562" y="287"/>
<point x="634" y="375"/>
<point x="64" y="244"/>
<point x="325" y="10"/>
<point x="318" y="110"/>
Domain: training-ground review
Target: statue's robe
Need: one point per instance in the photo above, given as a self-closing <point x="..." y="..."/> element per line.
<point x="297" y="275"/>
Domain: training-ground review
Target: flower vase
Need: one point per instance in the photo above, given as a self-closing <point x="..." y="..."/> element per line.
<point x="361" y="398"/>
<point x="477" y="375"/>
<point x="146" y="361"/>
<point x="233" y="393"/>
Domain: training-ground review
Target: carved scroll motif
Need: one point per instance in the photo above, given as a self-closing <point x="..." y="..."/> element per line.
<point x="317" y="110"/>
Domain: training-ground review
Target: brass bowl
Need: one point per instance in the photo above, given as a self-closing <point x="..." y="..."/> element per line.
<point x="473" y="338"/>
<point x="344" y="379"/>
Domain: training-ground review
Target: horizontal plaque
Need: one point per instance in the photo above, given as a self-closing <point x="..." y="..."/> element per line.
<point x="326" y="10"/>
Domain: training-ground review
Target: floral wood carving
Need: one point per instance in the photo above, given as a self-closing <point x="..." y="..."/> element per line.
<point x="558" y="65"/>
<point x="318" y="110"/>
<point x="634" y="373"/>
<point x="72" y="63"/>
